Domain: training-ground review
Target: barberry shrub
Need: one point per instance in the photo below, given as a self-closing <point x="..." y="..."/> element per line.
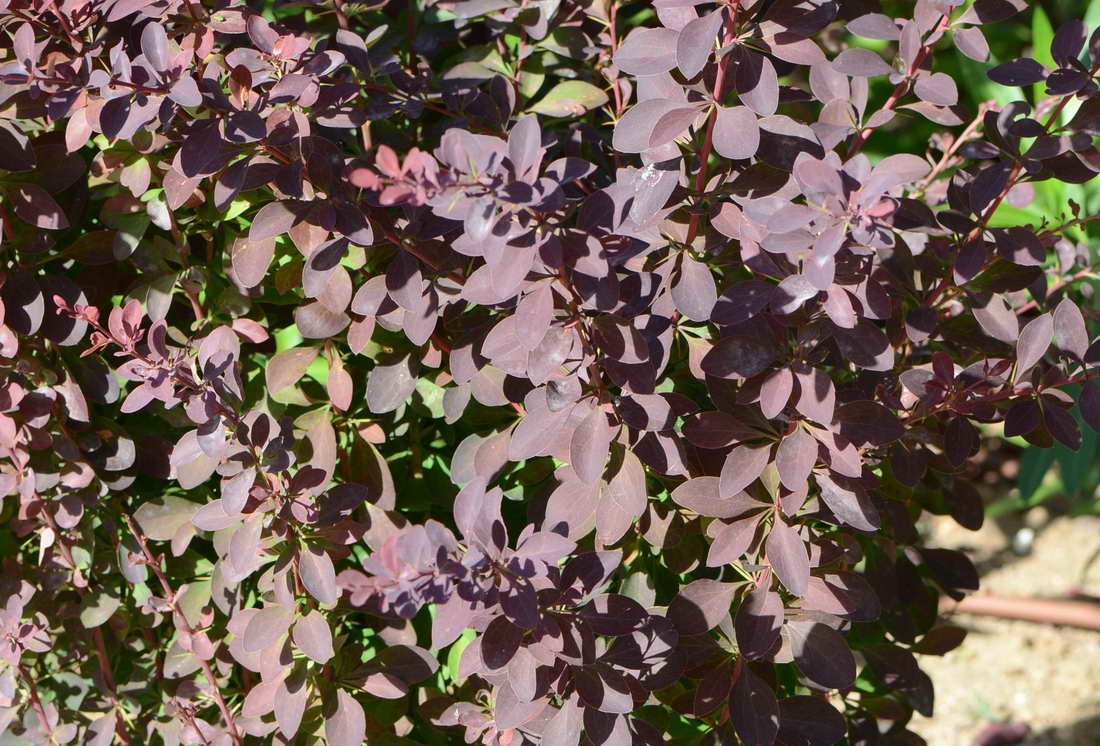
<point x="546" y="372"/>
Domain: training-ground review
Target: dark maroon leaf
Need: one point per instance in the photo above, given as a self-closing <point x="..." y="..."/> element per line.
<point x="868" y="422"/>
<point x="1024" y="416"/>
<point x="499" y="643"/>
<point x="603" y="688"/>
<point x="34" y="205"/>
<point x="822" y="654"/>
<point x="1090" y="405"/>
<point x="1061" y="424"/>
<point x="740" y="356"/>
<point x="758" y="622"/>
<point x="701" y="605"/>
<point x="754" y="710"/>
<point x="809" y="721"/>
<point x="1018" y="72"/>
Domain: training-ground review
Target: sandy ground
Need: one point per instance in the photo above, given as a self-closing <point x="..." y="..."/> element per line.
<point x="1047" y="677"/>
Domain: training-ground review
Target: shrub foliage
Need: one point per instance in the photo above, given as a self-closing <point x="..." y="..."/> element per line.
<point x="543" y="372"/>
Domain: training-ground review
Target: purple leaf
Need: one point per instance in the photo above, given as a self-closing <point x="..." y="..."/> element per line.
<point x="624" y="500"/>
<point x="313" y="637"/>
<point x="273" y="220"/>
<point x="318" y="574"/>
<point x="732" y="540"/>
<point x="287" y="367"/>
<point x="266" y="627"/>
<point x="695" y="43"/>
<point x="741" y="468"/>
<point x="860" y="62"/>
<point x="701" y="495"/>
<point x="874" y="26"/>
<point x="868" y="422"/>
<point x="589" y="445"/>
<point x="971" y="42"/>
<point x="701" y="605"/>
<point x="787" y="555"/>
<point x="1018" y="72"/>
<point x="1090" y="404"/>
<point x="1070" y="334"/>
<point x="758" y="622"/>
<point x="736" y="132"/>
<point x="391" y="383"/>
<point x="603" y="689"/>
<point x="998" y="320"/>
<point x="693" y="290"/>
<point x="647" y="51"/>
<point x="822" y="654"/>
<point x="754" y="711"/>
<point x="154" y="45"/>
<point x="938" y="89"/>
<point x="809" y="721"/>
<point x="1033" y="342"/>
<point x="991" y="11"/>
<point x="499" y="643"/>
<point x="795" y="458"/>
<point x="345" y="723"/>
<point x="775" y="392"/>
<point x="34" y="205"/>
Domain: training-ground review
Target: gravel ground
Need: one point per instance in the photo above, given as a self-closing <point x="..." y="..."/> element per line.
<point x="1045" y="676"/>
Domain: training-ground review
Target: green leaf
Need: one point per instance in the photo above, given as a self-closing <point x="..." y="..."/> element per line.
<point x="567" y="41"/>
<point x="288" y="337"/>
<point x="1042" y="34"/>
<point x="981" y="88"/>
<point x="454" y="655"/>
<point x="1033" y="467"/>
<point x="570" y="98"/>
<point x="531" y="77"/>
<point x="97" y="607"/>
<point x="1076" y="465"/>
<point x="1008" y="216"/>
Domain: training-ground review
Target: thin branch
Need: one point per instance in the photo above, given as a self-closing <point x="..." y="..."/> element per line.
<point x="183" y="624"/>
<point x="36" y="703"/>
<point x="708" y="140"/>
<point x="902" y="86"/>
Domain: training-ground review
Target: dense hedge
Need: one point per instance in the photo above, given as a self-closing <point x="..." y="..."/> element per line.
<point x="551" y="372"/>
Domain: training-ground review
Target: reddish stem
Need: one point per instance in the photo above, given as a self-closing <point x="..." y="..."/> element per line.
<point x="1013" y="177"/>
<point x="901" y="87"/>
<point x="611" y="19"/>
<point x="946" y="406"/>
<point x="708" y="140"/>
<point x="36" y="703"/>
<point x="183" y="625"/>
